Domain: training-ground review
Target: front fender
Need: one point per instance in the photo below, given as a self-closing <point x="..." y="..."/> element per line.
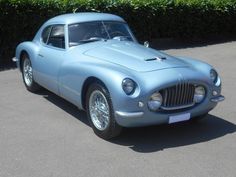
<point x="198" y="65"/>
<point x="73" y="75"/>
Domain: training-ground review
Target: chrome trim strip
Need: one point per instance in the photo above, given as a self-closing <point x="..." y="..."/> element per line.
<point x="177" y="107"/>
<point x="218" y="99"/>
<point x="218" y="82"/>
<point x="129" y="114"/>
<point x="178" y="96"/>
<point x="14" y="59"/>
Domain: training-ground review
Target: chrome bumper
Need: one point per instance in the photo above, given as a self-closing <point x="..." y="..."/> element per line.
<point x="140" y="114"/>
<point x="129" y="114"/>
<point x="14" y="59"/>
<point x="218" y="99"/>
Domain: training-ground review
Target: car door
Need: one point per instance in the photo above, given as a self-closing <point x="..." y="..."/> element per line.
<point x="50" y="56"/>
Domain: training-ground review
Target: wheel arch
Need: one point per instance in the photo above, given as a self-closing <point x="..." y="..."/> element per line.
<point x="22" y="53"/>
<point x="90" y="80"/>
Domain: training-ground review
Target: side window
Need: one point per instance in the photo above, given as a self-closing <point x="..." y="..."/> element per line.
<point x="45" y="34"/>
<point x="57" y="37"/>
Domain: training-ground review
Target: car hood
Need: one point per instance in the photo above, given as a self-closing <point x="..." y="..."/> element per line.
<point x="134" y="56"/>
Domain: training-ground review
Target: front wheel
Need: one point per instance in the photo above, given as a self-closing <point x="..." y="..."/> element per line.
<point x="27" y="74"/>
<point x="100" y="112"/>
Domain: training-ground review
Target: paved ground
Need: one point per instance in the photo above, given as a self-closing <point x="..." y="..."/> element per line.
<point x="41" y="135"/>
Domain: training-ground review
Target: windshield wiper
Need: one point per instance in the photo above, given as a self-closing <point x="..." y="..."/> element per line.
<point x="84" y="41"/>
<point x="71" y="44"/>
<point x="122" y="38"/>
<point x="92" y="39"/>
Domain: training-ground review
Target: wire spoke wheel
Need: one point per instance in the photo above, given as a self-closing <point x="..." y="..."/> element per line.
<point x="99" y="110"/>
<point x="27" y="72"/>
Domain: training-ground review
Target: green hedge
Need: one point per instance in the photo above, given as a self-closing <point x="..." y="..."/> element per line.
<point x="20" y="19"/>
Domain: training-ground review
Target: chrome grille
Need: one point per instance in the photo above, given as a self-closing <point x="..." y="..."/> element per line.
<point x="178" y="96"/>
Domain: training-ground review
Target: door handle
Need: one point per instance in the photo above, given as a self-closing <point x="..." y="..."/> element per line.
<point x="40" y="55"/>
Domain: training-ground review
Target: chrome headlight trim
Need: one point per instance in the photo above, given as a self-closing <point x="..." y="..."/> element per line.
<point x="215" y="77"/>
<point x="128" y="85"/>
<point x="218" y="82"/>
<point x="155" y="101"/>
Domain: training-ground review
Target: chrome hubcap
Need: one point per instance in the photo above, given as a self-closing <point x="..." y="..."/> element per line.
<point x="99" y="110"/>
<point x="28" y="72"/>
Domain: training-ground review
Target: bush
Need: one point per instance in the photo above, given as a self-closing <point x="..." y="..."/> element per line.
<point x="20" y="19"/>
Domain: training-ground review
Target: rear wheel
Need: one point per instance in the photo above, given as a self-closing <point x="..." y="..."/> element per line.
<point x="100" y="112"/>
<point x="27" y="74"/>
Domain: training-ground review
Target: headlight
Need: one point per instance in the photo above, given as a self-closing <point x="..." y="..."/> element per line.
<point x="128" y="86"/>
<point x="199" y="94"/>
<point x="155" y="101"/>
<point x="213" y="75"/>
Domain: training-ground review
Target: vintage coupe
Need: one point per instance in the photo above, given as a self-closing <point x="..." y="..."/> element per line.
<point x="94" y="61"/>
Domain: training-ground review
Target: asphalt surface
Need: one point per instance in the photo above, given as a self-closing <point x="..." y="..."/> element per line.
<point x="41" y="135"/>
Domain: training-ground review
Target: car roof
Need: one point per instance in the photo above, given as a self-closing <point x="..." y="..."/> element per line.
<point x="83" y="17"/>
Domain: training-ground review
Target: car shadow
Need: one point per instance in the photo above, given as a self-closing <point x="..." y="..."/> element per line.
<point x="65" y="105"/>
<point x="156" y="138"/>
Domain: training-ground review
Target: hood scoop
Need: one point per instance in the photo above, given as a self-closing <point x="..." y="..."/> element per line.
<point x="157" y="58"/>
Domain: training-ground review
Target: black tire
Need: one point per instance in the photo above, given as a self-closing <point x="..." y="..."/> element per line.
<point x="199" y="118"/>
<point x="33" y="86"/>
<point x="113" y="129"/>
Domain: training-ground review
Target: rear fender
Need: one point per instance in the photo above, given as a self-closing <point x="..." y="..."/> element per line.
<point x="28" y="47"/>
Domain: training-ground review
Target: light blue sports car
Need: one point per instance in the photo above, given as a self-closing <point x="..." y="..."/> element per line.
<point x="94" y="61"/>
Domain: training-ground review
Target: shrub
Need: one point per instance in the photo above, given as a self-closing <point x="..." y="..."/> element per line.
<point x="20" y="19"/>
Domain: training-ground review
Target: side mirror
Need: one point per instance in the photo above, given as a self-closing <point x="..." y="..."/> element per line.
<point x="146" y="44"/>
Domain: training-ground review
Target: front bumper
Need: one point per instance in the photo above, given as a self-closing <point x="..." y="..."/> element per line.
<point x="146" y="117"/>
<point x="15" y="59"/>
<point x="218" y="99"/>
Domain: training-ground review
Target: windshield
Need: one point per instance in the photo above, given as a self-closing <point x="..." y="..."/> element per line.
<point x="81" y="33"/>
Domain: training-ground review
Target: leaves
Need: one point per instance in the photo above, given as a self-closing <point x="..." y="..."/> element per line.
<point x="20" y="19"/>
